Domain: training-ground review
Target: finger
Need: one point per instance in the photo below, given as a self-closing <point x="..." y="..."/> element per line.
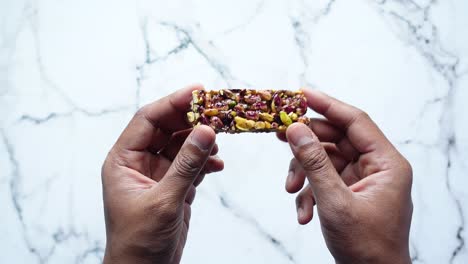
<point x="214" y="164"/>
<point x="322" y="128"/>
<point x="338" y="161"/>
<point x="160" y="165"/>
<point x="281" y="136"/>
<point x="163" y="116"/>
<point x="305" y="205"/>
<point x="349" y="152"/>
<point x="325" y="131"/>
<point x="175" y="143"/>
<point x="336" y="156"/>
<point x="215" y="150"/>
<point x="349" y="176"/>
<point x="191" y="195"/>
<point x="325" y="181"/>
<point x="362" y="132"/>
<point x="296" y="177"/>
<point x="188" y="163"/>
<point x="199" y="179"/>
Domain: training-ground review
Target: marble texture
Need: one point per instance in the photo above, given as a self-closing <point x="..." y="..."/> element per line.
<point x="72" y="73"/>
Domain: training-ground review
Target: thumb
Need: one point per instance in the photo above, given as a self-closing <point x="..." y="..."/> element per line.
<point x="326" y="184"/>
<point x="188" y="163"/>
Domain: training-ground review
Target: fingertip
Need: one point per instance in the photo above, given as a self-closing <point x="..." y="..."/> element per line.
<point x="288" y="188"/>
<point x="195" y="86"/>
<point x="203" y="137"/>
<point x="304" y="214"/>
<point x="295" y="126"/>
<point x="190" y="88"/>
<point x="309" y="92"/>
<point x="181" y="97"/>
<point x="281" y="136"/>
<point x="215" y="150"/>
<point x="207" y="130"/>
<point x="220" y="165"/>
<point x="303" y="220"/>
<point x="292" y="185"/>
<point x="299" y="134"/>
<point x="300" y="215"/>
<point x="304" y="207"/>
<point x="287" y="185"/>
<point x="215" y="164"/>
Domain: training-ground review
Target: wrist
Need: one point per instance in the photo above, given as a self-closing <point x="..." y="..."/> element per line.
<point x="384" y="257"/>
<point x="122" y="257"/>
<point x="127" y="255"/>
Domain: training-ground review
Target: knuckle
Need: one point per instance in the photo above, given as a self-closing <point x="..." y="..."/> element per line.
<point x="358" y="114"/>
<point x="113" y="160"/>
<point x="313" y="158"/>
<point x="361" y="115"/>
<point x="187" y="165"/>
<point x="142" y="111"/>
<point x="407" y="169"/>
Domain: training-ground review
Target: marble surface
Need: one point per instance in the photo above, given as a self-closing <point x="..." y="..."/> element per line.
<point x="72" y="73"/>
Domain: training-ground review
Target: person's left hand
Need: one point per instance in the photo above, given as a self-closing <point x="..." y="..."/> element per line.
<point x="149" y="179"/>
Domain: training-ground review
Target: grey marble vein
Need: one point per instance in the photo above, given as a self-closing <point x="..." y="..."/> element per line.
<point x="302" y="25"/>
<point x="446" y="64"/>
<point x="186" y="39"/>
<point x="34" y="25"/>
<point x="415" y="258"/>
<point x="427" y="29"/>
<point x="14" y="184"/>
<point x="152" y="58"/>
<point x="256" y="12"/>
<point x="8" y="41"/>
<point x="450" y="148"/>
<point x="54" y="115"/>
<point x="302" y="40"/>
<point x="95" y="250"/>
<point x="325" y="11"/>
<point x="276" y="243"/>
<point x="219" y="67"/>
<point x="59" y="236"/>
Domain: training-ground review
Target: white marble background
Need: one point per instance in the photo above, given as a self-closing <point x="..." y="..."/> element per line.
<point x="72" y="73"/>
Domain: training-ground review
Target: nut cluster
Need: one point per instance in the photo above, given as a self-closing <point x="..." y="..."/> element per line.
<point x="244" y="110"/>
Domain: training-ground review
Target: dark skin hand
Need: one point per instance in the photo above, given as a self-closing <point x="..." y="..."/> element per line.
<point x="359" y="182"/>
<point x="149" y="179"/>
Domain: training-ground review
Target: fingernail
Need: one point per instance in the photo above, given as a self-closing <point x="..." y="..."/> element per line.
<point x="299" y="135"/>
<point x="200" y="139"/>
<point x="300" y="212"/>
<point x="291" y="175"/>
<point x="216" y="157"/>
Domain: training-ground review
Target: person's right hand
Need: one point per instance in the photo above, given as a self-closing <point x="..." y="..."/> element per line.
<point x="360" y="183"/>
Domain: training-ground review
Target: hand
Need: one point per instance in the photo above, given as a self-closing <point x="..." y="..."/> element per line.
<point x="149" y="180"/>
<point x="360" y="183"/>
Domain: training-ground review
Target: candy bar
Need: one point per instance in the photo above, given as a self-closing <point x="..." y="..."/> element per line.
<point x="244" y="110"/>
